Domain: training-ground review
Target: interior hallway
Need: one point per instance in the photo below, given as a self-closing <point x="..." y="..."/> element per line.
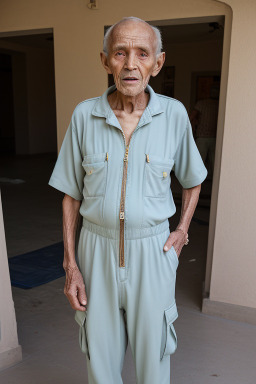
<point x="210" y="349"/>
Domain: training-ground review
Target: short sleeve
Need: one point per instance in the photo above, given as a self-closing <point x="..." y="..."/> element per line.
<point x="68" y="173"/>
<point x="189" y="167"/>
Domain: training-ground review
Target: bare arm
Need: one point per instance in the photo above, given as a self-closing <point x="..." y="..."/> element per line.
<point x="74" y="286"/>
<point x="177" y="238"/>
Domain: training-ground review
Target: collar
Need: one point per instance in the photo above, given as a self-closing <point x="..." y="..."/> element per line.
<point x="103" y="109"/>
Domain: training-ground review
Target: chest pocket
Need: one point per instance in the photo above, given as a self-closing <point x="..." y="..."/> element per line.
<point x="157" y="176"/>
<point x="96" y="169"/>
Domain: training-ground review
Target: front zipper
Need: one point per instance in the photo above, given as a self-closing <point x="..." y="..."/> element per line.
<point x="122" y="203"/>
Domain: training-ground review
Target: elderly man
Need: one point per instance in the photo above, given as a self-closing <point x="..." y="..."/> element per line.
<point x="114" y="167"/>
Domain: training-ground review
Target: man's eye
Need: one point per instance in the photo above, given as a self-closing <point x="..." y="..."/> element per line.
<point x="119" y="53"/>
<point x="143" y="54"/>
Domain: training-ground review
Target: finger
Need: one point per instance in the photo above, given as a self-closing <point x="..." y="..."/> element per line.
<point x="177" y="250"/>
<point x="169" y="242"/>
<point x="75" y="304"/>
<point x="73" y="299"/>
<point x="81" y="295"/>
<point x="178" y="247"/>
<point x="168" y="245"/>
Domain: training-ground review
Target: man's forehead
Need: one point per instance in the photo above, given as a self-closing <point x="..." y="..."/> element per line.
<point x="132" y="34"/>
<point x="135" y="40"/>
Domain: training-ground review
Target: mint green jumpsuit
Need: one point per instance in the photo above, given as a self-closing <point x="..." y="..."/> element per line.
<point x="126" y="201"/>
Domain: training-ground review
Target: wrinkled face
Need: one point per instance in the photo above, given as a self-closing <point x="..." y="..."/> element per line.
<point x="132" y="57"/>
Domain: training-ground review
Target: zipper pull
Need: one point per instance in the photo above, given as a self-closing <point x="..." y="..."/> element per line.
<point x="126" y="154"/>
<point x="107" y="156"/>
<point x="147" y="158"/>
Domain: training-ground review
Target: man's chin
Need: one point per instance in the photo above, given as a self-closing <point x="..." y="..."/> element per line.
<point x="131" y="90"/>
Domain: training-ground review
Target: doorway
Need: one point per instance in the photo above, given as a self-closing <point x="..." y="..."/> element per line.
<point x="28" y="134"/>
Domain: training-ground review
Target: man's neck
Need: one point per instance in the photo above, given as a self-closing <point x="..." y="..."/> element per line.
<point x="128" y="104"/>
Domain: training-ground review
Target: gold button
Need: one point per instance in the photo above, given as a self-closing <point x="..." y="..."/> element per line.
<point x="91" y="171"/>
<point x="164" y="174"/>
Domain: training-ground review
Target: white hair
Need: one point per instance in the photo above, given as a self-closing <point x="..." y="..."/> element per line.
<point x="159" y="45"/>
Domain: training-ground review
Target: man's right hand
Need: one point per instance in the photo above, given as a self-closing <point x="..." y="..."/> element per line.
<point x="74" y="288"/>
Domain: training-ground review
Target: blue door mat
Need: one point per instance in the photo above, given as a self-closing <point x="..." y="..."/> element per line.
<point x="37" y="267"/>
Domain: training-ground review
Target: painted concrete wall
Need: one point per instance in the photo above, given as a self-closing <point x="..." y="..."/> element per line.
<point x="10" y="350"/>
<point x="233" y="269"/>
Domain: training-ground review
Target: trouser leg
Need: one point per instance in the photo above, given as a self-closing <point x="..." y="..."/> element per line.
<point x="104" y="325"/>
<point x="150" y="305"/>
<point x="144" y="290"/>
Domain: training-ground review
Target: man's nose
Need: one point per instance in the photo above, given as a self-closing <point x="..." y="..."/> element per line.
<point x="130" y="62"/>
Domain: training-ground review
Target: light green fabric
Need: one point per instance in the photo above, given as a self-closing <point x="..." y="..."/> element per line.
<point x="135" y="302"/>
<point x="164" y="133"/>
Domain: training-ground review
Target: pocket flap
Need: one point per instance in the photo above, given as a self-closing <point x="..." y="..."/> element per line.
<point x="159" y="161"/>
<point x="171" y="313"/>
<point x="80" y="317"/>
<point x="95" y="158"/>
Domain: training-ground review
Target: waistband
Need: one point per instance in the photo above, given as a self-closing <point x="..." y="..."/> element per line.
<point x="129" y="233"/>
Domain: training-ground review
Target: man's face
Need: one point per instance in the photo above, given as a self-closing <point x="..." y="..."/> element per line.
<point x="132" y="57"/>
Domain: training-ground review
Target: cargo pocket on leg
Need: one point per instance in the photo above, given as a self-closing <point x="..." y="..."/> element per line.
<point x="169" y="337"/>
<point x="80" y="318"/>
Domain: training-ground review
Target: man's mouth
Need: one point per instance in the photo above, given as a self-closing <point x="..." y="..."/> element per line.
<point x="130" y="79"/>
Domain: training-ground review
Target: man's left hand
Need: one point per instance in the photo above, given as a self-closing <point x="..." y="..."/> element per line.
<point x="177" y="239"/>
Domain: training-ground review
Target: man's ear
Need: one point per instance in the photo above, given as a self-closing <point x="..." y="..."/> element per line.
<point x="159" y="63"/>
<point x="104" y="61"/>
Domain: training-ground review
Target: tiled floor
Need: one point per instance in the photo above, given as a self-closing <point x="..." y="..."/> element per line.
<point x="210" y="349"/>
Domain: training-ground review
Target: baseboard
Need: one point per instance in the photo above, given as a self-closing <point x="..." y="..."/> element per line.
<point x="229" y="311"/>
<point x="10" y="357"/>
